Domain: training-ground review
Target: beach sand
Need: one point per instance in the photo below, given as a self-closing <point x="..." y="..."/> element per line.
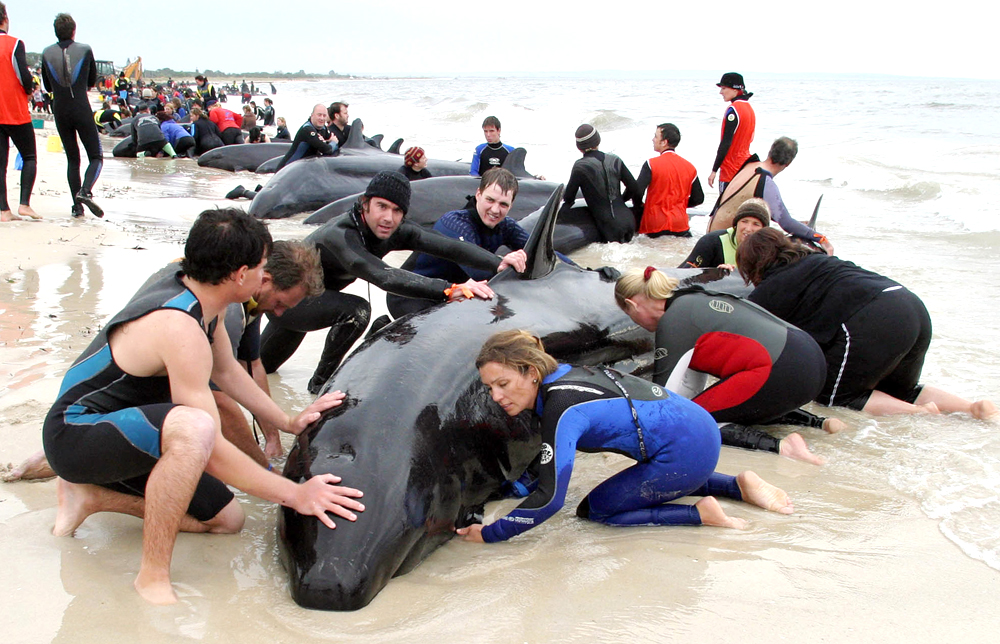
<point x="856" y="562"/>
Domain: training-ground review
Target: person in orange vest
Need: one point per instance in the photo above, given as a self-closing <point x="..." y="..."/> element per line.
<point x="738" y="124"/>
<point x="671" y="185"/>
<point x="15" y="121"/>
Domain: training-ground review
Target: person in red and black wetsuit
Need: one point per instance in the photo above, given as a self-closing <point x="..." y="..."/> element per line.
<point x="766" y="367"/>
<point x="738" y="124"/>
<point x="15" y="120"/>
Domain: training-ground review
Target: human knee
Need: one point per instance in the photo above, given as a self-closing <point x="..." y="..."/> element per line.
<point x="229" y="520"/>
<point x="189" y="427"/>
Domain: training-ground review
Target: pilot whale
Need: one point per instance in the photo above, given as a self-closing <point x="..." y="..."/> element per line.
<point x="244" y="156"/>
<point x="418" y="432"/>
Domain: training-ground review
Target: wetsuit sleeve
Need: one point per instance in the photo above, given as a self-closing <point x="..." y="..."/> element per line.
<point x="781" y="216"/>
<point x="478" y="263"/>
<point x="727" y="136"/>
<point x="672" y="340"/>
<point x="474" y="166"/>
<point x="707" y="253"/>
<point x="92" y="71"/>
<point x="249" y="347"/>
<point x="318" y="144"/>
<point x="47" y="81"/>
<point x="362" y="264"/>
<point x="561" y="434"/>
<point x="514" y="235"/>
<point x="697" y="194"/>
<point x="572" y="187"/>
<point x="21" y="65"/>
<point x="632" y="190"/>
<point x="642" y="183"/>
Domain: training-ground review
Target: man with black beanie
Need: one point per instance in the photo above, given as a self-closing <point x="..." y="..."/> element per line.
<point x="352" y="246"/>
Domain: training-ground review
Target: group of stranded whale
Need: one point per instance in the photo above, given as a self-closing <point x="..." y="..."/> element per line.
<point x="488" y="389"/>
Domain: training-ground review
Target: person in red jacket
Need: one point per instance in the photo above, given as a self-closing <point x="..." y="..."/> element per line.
<point x="671" y="186"/>
<point x="15" y="120"/>
<point x="228" y="122"/>
<point x="738" y="124"/>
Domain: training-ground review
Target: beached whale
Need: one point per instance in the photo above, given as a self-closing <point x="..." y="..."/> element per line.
<point x="355" y="145"/>
<point x="418" y="432"/>
<point x="431" y="198"/>
<point x="245" y="156"/>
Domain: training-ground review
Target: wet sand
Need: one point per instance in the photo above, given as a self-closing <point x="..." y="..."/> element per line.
<point x="856" y="562"/>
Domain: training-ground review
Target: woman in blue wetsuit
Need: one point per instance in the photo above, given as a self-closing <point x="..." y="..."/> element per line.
<point x="674" y="441"/>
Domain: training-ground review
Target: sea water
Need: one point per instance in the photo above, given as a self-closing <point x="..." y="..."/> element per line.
<point x="908" y="171"/>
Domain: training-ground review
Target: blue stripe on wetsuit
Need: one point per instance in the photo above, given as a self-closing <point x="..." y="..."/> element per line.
<point x="130" y="423"/>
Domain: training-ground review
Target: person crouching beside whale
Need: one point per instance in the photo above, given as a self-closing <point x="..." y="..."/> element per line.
<point x="352" y="246"/>
<point x="766" y="367"/>
<point x="135" y="429"/>
<point x="674" y="442"/>
<point x="487" y="226"/>
<point x="873" y="331"/>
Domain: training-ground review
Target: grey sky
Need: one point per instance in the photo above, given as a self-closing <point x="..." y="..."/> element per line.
<point x="388" y="37"/>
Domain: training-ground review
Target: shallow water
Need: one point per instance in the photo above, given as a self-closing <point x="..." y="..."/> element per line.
<point x="907" y="192"/>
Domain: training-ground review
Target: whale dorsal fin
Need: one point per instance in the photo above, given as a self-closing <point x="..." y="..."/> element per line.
<point x="515" y="163"/>
<point x="356" y="139"/>
<point x="396" y="145"/>
<point x="540" y="247"/>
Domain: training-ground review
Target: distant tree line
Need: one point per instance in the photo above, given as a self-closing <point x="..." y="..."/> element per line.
<point x="167" y="72"/>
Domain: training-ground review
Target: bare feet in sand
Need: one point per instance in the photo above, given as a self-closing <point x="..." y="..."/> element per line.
<point x="73" y="506"/>
<point x="35" y="467"/>
<point x="26" y="211"/>
<point x="834" y="425"/>
<point x="794" y="446"/>
<point x="8" y="215"/>
<point x="984" y="410"/>
<point x="712" y="514"/>
<point x="154" y="590"/>
<point x="759" y="492"/>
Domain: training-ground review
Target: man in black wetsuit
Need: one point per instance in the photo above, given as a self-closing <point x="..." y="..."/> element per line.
<point x="312" y="139"/>
<point x="352" y="246"/>
<point x="339" y="122"/>
<point x="491" y="154"/>
<point x="68" y="70"/>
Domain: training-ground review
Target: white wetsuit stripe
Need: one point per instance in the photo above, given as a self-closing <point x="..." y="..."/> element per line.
<point x="843" y="363"/>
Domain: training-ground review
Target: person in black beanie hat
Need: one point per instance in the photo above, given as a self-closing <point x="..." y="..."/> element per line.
<point x="599" y="176"/>
<point x="352" y="246"/>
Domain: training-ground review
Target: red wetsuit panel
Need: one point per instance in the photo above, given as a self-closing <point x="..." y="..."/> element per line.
<point x="742" y="365"/>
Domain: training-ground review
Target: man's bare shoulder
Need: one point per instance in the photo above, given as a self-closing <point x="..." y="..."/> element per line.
<point x="147" y="345"/>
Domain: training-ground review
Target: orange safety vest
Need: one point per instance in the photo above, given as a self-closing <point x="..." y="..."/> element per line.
<point x="668" y="194"/>
<point x="739" y="149"/>
<point x="13" y="100"/>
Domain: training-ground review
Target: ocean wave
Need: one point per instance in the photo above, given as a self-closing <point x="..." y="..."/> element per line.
<point x="610" y="120"/>
<point x="467" y="113"/>
<point x="911" y="192"/>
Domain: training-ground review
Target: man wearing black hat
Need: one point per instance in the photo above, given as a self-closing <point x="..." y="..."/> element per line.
<point x="352" y="246"/>
<point x="738" y="125"/>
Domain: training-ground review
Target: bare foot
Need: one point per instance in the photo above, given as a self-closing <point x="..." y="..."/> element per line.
<point x="34" y="467"/>
<point x="762" y="494"/>
<point x="834" y="425"/>
<point x="73" y="507"/>
<point x="984" y="410"/>
<point x="26" y="211"/>
<point x="155" y="591"/>
<point x="7" y="215"/>
<point x="712" y="514"/>
<point x="794" y="446"/>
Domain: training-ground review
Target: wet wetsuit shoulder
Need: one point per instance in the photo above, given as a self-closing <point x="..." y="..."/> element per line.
<point x="308" y="142"/>
<point x="708" y="251"/>
<point x="465" y="225"/>
<point x="488" y="156"/>
<point x="68" y="71"/>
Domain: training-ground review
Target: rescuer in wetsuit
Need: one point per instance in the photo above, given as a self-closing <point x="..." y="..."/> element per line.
<point x="766" y="368"/>
<point x="599" y="176"/>
<point x="674" y="442"/>
<point x="352" y="246"/>
<point x="312" y="139"/>
<point x="68" y="70"/>
<point x="491" y="154"/>
<point x="718" y="248"/>
<point x="738" y="124"/>
<point x="15" y="120"/>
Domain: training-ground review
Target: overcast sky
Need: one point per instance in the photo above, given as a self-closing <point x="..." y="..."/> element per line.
<point x="470" y="37"/>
